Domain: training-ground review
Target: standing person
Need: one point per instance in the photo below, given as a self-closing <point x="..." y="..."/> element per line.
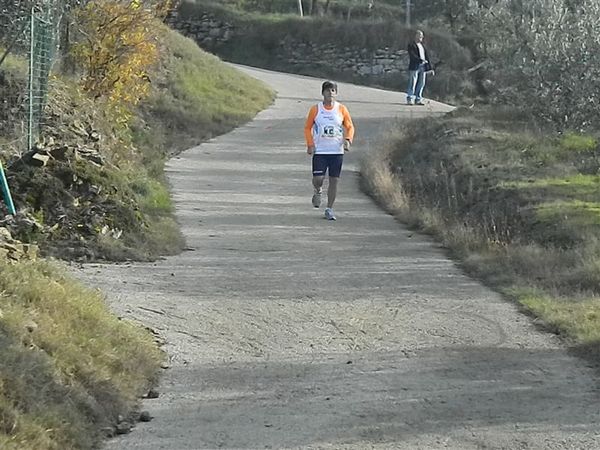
<point x="328" y="132"/>
<point x="417" y="67"/>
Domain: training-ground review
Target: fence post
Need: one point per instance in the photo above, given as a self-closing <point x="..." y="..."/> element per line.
<point x="31" y="58"/>
<point x="6" y="192"/>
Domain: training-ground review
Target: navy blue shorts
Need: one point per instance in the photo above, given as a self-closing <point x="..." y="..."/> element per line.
<point x="321" y="164"/>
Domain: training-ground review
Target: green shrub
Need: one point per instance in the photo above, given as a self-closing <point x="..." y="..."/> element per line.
<point x="575" y="142"/>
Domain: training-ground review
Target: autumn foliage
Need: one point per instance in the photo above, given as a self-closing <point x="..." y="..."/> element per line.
<point x="119" y="44"/>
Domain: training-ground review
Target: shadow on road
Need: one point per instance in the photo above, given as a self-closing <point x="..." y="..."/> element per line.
<point x="383" y="397"/>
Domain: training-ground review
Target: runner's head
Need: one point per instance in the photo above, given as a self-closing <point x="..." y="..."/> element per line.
<point x="329" y="85"/>
<point x="329" y="91"/>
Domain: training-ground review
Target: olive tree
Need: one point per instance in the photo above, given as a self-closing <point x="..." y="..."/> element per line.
<point x="545" y="55"/>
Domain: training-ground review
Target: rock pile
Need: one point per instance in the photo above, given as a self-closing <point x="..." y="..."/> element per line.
<point x="12" y="250"/>
<point x="47" y="150"/>
<point x="70" y="198"/>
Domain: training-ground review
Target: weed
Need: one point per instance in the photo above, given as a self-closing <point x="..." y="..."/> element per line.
<point x="575" y="142"/>
<point x="154" y="197"/>
<point x="578" y="319"/>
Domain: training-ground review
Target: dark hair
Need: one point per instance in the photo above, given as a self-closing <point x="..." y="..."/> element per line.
<point x="327" y="85"/>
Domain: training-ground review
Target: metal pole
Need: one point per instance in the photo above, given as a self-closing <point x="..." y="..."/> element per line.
<point x="408" y="13"/>
<point x="6" y="192"/>
<point x="300" y="8"/>
<point x="31" y="55"/>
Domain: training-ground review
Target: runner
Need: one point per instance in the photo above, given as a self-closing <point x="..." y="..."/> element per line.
<point x="328" y="132"/>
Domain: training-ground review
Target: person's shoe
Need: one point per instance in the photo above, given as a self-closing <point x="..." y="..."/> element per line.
<point x="316" y="199"/>
<point x="409" y="101"/>
<point x="419" y="103"/>
<point x="329" y="215"/>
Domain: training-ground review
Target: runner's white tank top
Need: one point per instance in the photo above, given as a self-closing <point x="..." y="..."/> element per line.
<point x="328" y="131"/>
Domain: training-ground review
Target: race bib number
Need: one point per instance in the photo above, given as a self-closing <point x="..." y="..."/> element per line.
<point x="331" y="131"/>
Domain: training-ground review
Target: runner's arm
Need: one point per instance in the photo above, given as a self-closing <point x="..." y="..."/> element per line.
<point x="308" y="127"/>
<point x="347" y="123"/>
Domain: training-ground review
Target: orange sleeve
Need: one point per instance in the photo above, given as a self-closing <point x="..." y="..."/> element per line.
<point x="308" y="126"/>
<point x="347" y="123"/>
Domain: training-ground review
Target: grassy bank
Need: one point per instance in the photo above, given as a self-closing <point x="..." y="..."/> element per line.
<point x="519" y="207"/>
<point x="194" y="97"/>
<point x="69" y="367"/>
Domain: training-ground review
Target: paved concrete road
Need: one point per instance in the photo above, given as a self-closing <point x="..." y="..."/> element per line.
<point x="289" y="331"/>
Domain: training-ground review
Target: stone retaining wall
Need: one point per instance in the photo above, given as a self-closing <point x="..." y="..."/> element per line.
<point x="209" y="33"/>
<point x="354" y="61"/>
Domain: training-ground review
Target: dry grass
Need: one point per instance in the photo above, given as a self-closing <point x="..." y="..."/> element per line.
<point x="518" y="207"/>
<point x="380" y="181"/>
<point x="69" y="367"/>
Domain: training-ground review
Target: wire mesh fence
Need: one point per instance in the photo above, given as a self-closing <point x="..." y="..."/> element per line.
<point x="28" y="40"/>
<point x="43" y="32"/>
